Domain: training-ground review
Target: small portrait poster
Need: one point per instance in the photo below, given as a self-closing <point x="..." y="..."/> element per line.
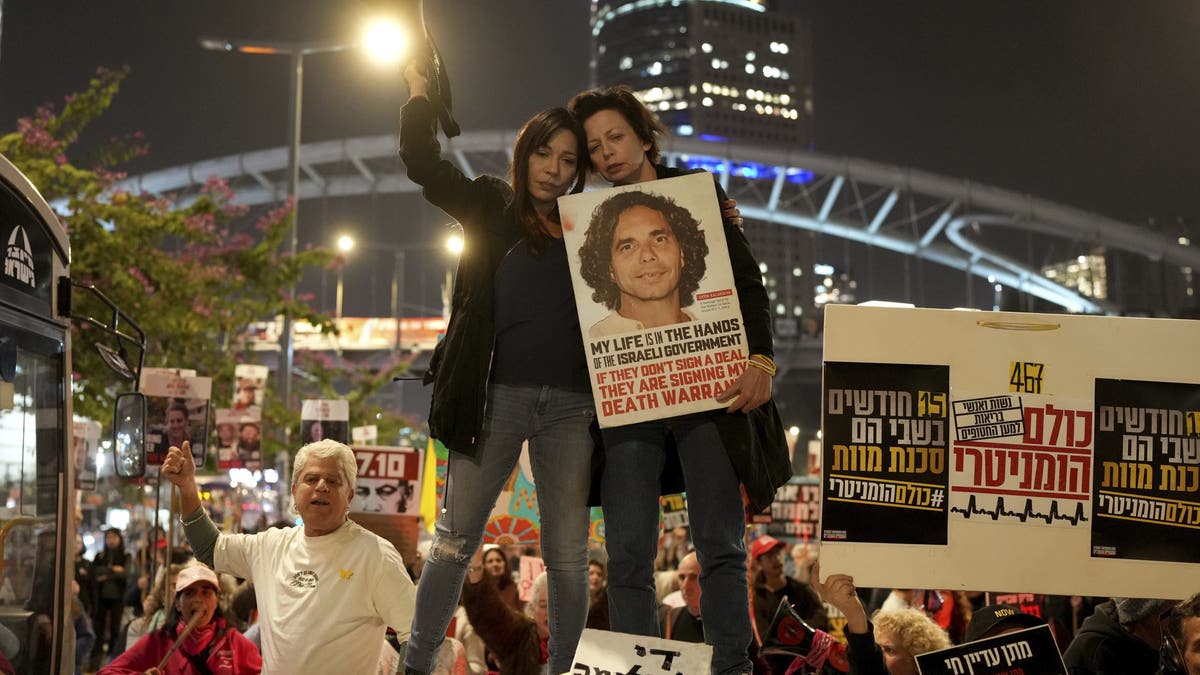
<point x="249" y="385"/>
<point x="86" y="443"/>
<point x="176" y="411"/>
<point x="656" y="298"/>
<point x="239" y="438"/>
<point x="321" y="419"/>
<point x="885" y="445"/>
<point x="1147" y="471"/>
<point x="388" y="480"/>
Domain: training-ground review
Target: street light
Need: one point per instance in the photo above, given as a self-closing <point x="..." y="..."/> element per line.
<point x="375" y="36"/>
<point x="452" y="244"/>
<point x="345" y="244"/>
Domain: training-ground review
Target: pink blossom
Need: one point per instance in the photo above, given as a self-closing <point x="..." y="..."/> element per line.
<point x="276" y="215"/>
<point x="141" y="278"/>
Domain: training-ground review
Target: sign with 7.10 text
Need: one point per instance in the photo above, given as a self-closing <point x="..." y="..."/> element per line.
<point x="388" y="481"/>
<point x="387" y="462"/>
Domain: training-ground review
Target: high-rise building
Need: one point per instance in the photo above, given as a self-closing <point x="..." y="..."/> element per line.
<point x="722" y="70"/>
<point x="736" y="71"/>
<point x="1087" y="274"/>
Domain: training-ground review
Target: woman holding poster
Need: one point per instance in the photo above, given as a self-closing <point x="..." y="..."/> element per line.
<point x="511" y="368"/>
<point x="717" y="451"/>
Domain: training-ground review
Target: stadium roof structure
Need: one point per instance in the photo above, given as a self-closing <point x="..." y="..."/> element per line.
<point x="909" y="211"/>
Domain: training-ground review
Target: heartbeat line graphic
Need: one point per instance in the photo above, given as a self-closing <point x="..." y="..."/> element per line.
<point x="1029" y="512"/>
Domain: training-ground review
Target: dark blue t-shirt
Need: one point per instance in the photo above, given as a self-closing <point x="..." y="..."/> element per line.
<point x="538" y="340"/>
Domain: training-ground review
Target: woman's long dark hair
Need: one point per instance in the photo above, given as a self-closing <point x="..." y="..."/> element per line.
<point x="115" y="555"/>
<point x="536" y="133"/>
<point x="506" y="578"/>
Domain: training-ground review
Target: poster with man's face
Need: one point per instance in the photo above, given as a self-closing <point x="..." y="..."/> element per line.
<point x="239" y="438"/>
<point x="176" y="411"/>
<point x="86" y="442"/>
<point x="249" y="385"/>
<point x="388" y="481"/>
<point x="321" y="419"/>
<point x="655" y="293"/>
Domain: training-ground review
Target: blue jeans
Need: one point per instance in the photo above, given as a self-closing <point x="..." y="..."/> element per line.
<point x="555" y="421"/>
<point x="634" y="459"/>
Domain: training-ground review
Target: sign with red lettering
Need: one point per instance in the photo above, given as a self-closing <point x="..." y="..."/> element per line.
<point x="656" y="298"/>
<point x="388" y="481"/>
<point x="1075" y="437"/>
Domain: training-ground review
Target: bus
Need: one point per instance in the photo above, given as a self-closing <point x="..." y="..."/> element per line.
<point x="37" y="459"/>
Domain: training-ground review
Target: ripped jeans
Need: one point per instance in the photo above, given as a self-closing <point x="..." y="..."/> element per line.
<point x="556" y="422"/>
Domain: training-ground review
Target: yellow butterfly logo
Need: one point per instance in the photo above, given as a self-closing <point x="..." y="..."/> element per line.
<point x="346" y="574"/>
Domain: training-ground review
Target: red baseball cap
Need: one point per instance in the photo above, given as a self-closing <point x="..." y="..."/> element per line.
<point x="764" y="545"/>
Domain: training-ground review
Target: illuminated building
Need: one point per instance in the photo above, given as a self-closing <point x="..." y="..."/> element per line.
<point x="1087" y="274"/>
<point x="721" y="70"/>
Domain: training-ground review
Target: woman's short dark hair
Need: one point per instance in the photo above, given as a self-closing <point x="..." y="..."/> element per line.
<point x="621" y="99"/>
<point x="1187" y="609"/>
<point x="538" y="132"/>
<point x="243" y="604"/>
<point x="596" y="252"/>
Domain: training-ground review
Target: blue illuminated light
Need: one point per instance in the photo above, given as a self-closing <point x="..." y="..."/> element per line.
<point x="712" y="138"/>
<point x="800" y="176"/>
<point x="751" y="170"/>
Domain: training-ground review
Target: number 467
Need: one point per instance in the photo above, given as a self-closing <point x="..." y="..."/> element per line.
<point x="1026" y="377"/>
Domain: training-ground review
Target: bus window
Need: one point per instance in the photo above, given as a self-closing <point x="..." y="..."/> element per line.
<point x="31" y="451"/>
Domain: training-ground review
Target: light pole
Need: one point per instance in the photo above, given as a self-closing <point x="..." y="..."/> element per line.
<point x="386" y="43"/>
<point x="452" y="244"/>
<point x="345" y="244"/>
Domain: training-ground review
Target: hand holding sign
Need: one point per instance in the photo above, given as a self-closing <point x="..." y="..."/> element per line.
<point x="750" y="390"/>
<point x="838" y="590"/>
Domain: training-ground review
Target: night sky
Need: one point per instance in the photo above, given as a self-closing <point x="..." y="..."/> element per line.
<point x="1089" y="103"/>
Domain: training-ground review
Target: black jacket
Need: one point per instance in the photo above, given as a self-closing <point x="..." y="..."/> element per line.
<point x="865" y="656"/>
<point x="462" y="361"/>
<point x="755" y="442"/>
<point x="1103" y="647"/>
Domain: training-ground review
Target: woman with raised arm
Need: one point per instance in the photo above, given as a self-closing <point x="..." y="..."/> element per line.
<point x="511" y="367"/>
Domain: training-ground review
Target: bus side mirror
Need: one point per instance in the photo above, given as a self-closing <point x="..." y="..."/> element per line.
<point x="129" y="435"/>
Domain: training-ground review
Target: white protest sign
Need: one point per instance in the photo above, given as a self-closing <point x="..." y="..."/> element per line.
<point x="531" y="568"/>
<point x="602" y="651"/>
<point x="1002" y="451"/>
<point x="657" y="303"/>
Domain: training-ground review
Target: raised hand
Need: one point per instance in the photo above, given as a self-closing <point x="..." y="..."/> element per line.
<point x="179" y="468"/>
<point x="839" y="591"/>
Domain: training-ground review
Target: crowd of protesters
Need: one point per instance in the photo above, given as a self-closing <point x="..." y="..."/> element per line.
<point x="495" y="631"/>
<point x="327" y="595"/>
